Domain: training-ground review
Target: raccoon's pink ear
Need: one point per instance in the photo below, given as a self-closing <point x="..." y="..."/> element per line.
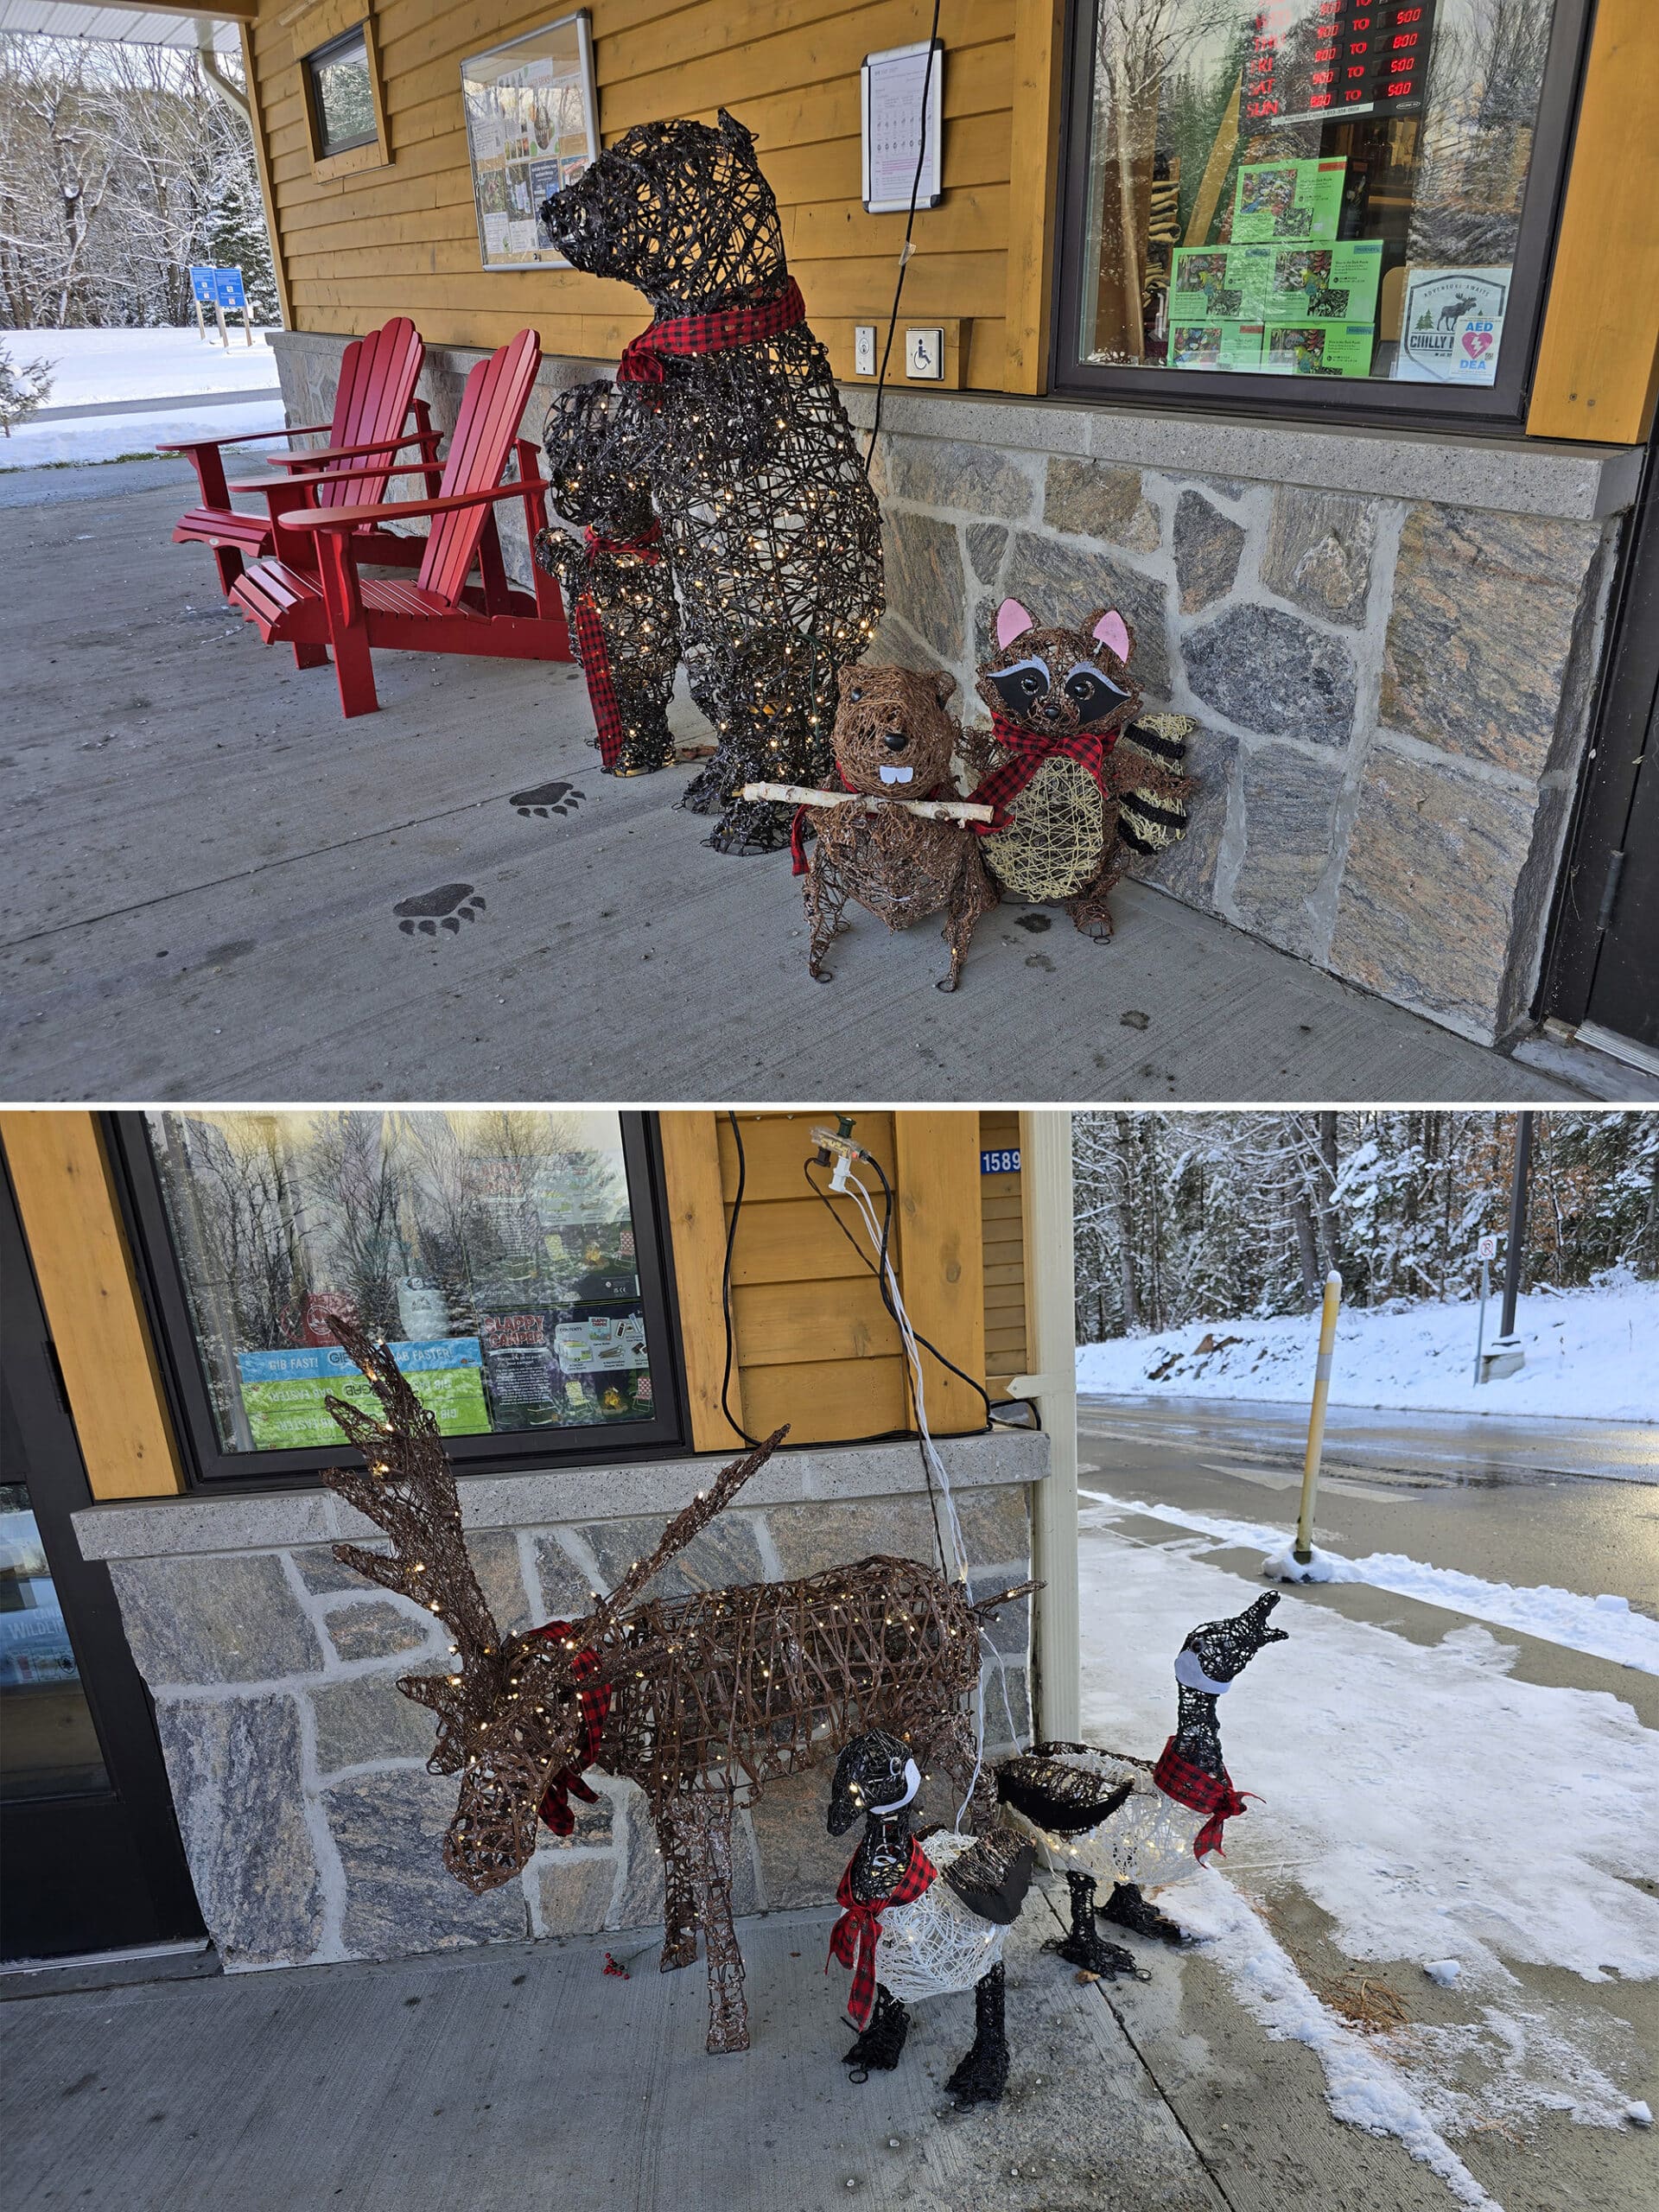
<point x="1114" y="633"/>
<point x="1011" y="622"/>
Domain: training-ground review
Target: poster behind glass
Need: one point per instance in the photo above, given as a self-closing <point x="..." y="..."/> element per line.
<point x="532" y="129"/>
<point x="1322" y="188"/>
<point x="494" y="1250"/>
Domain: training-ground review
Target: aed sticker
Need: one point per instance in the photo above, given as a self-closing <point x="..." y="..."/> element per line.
<point x="1452" y="328"/>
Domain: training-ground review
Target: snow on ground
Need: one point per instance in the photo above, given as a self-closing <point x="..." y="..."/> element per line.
<point x="1605" y="1627"/>
<point x="1589" y="1354"/>
<point x="92" y="367"/>
<point x="1436" y="1810"/>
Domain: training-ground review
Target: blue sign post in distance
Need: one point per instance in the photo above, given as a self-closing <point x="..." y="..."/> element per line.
<point x="229" y="291"/>
<point x="201" y="285"/>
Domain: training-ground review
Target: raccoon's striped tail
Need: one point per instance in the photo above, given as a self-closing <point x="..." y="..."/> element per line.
<point x="1156" y="796"/>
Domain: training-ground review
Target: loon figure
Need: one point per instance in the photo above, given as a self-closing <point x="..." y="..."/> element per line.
<point x="1095" y="1815"/>
<point x="917" y="1923"/>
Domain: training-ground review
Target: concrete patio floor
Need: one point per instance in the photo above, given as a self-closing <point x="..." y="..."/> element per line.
<point x="515" y="2074"/>
<point x="202" y="861"/>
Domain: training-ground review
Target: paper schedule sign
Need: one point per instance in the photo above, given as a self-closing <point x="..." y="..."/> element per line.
<point x="898" y="130"/>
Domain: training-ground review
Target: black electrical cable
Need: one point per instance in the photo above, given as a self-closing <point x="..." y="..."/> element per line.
<point x="910" y="224"/>
<point x="726" y="1285"/>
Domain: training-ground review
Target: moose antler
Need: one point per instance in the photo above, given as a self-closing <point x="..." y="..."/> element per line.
<point x="687" y="1524"/>
<point x="408" y="1487"/>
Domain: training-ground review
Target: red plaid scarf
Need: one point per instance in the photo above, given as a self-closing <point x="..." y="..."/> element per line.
<point x="590" y="639"/>
<point x="797" y="826"/>
<point x="853" y="1939"/>
<point x="1199" y="1792"/>
<point x="642" y="357"/>
<point x="1088" y="747"/>
<point x="592" y="1706"/>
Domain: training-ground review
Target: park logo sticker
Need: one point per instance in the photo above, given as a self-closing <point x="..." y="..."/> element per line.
<point x="1452" y="328"/>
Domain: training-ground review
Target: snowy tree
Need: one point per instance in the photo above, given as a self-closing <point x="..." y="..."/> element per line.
<point x="24" y="385"/>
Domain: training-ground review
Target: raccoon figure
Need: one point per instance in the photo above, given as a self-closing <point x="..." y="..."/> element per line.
<point x="1080" y="786"/>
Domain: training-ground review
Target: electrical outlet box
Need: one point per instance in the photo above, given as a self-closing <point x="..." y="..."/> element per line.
<point x="924" y="355"/>
<point x="864" y="349"/>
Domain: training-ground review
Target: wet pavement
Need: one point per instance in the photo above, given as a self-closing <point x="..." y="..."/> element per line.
<point x="1570" y="1503"/>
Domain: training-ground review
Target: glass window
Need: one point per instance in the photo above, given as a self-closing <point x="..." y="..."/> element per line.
<point x="342" y="99"/>
<point x="1327" y="189"/>
<point x="496" y="1251"/>
<point x="48" y="1746"/>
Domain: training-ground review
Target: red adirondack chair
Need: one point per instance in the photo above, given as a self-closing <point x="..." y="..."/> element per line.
<point x="332" y="604"/>
<point x="375" y="399"/>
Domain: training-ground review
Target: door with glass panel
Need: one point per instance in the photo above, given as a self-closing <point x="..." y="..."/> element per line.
<point x="89" y="1847"/>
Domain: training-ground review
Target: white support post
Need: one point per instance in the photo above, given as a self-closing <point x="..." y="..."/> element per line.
<point x="1050" y="1352"/>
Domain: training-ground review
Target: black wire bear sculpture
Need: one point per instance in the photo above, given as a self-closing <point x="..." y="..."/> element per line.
<point x="772" y="531"/>
<point x="624" y="620"/>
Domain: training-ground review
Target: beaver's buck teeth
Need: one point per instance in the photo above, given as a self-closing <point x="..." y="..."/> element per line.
<point x="896" y="775"/>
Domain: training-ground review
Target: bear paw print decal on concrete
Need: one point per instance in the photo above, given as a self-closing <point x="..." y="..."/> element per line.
<point x="542" y="799"/>
<point x="446" y="908"/>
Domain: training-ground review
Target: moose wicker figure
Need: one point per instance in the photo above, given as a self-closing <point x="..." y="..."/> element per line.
<point x="1079" y="785"/>
<point x="908" y="854"/>
<point x="772" y="530"/>
<point x="701" y="1701"/>
<point x="624" y="620"/>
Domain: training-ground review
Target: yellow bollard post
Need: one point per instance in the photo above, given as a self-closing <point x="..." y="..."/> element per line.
<point x="1303" y="1551"/>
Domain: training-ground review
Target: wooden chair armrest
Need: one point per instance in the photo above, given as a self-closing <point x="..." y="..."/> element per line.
<point x="351" y="518"/>
<point x="318" y="456"/>
<point x="243" y="438"/>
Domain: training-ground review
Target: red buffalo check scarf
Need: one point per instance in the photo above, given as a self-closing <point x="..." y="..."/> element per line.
<point x="1003" y="785"/>
<point x="590" y="638"/>
<point x="853" y="1939"/>
<point x="593" y="1705"/>
<point x="642" y="357"/>
<point x="1199" y="1792"/>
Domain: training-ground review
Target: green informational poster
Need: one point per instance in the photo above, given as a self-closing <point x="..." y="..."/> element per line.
<point x="1287" y="199"/>
<point x="1324" y="283"/>
<point x="1220" y="284"/>
<point x="1215" y="345"/>
<point x="282" y="1392"/>
<point x="1318" y="349"/>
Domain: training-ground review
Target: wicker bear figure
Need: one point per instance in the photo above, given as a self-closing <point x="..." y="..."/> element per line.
<point x="1079" y="784"/>
<point x="624" y="622"/>
<point x="772" y="528"/>
<point x="894" y="740"/>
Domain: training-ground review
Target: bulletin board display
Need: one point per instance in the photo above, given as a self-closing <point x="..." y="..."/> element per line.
<point x="532" y="129"/>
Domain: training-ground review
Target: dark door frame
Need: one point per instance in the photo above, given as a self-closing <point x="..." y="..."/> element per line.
<point x="1587" y="894"/>
<point x="95" y="1870"/>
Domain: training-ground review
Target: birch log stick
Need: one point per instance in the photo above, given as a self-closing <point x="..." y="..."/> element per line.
<point x="930" y="810"/>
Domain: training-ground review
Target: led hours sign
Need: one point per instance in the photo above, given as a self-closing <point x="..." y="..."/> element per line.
<point x="1319" y="59"/>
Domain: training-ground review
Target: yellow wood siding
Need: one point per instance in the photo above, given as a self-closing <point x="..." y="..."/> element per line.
<point x="404" y="240"/>
<point x="1002" y="1233"/>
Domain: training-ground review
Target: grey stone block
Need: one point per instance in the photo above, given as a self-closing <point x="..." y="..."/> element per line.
<point x="368" y="1719"/>
<point x="389" y="1830"/>
<point x="1479" y="642"/>
<point x="1095" y="498"/>
<point x="1318" y="552"/>
<point x="995" y="1525"/>
<point x="1009" y="1633"/>
<point x="322" y="1573"/>
<point x="1187" y="870"/>
<point x="810" y="1538"/>
<point x="640" y="1905"/>
<point x="1273" y="672"/>
<point x="1061" y="583"/>
<point x="726" y="1551"/>
<point x="1290" y="808"/>
<point x="376" y="1630"/>
<point x="987" y="543"/>
<point x="800" y="1861"/>
<point x="1208" y="547"/>
<point x="1424" y="910"/>
<point x="564" y="1591"/>
<point x="573" y="1893"/>
<point x="234" y="1768"/>
<point x="214" y="1620"/>
<point x="1007" y="1711"/>
<point x="495" y="1559"/>
<point x="925" y="579"/>
<point x="949" y="472"/>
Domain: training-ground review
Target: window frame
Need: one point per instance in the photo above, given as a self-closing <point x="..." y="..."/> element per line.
<point x="209" y="1466"/>
<point x="321" y="30"/>
<point x="1500" y="406"/>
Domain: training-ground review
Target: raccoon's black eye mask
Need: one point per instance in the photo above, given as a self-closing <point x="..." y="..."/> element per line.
<point x="1093" y="692"/>
<point x="1020" y="687"/>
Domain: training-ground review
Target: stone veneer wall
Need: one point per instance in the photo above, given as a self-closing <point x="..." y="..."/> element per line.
<point x="298" y="1768"/>
<point x="1390" y="641"/>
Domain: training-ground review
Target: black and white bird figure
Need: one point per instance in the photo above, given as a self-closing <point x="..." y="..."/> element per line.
<point x="1098" y="1816"/>
<point x="917" y="1923"/>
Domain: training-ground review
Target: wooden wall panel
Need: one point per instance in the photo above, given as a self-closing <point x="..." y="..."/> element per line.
<point x="76" y="1241"/>
<point x="356" y="248"/>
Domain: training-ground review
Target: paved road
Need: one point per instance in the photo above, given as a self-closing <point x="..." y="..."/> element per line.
<point x="1574" y="1503"/>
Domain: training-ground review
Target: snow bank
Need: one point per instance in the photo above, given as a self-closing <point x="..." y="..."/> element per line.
<point x="94" y="367"/>
<point x="1434" y="1809"/>
<point x="115" y="437"/>
<point x="1589" y="1354"/>
<point x="1604" y="1627"/>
